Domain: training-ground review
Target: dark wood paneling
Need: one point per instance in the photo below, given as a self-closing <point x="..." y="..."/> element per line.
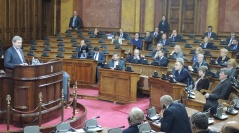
<point x="30" y="19"/>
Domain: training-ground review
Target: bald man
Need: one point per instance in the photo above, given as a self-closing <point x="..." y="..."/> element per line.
<point x="75" y="21"/>
<point x="174" y="117"/>
<point x="230" y="127"/>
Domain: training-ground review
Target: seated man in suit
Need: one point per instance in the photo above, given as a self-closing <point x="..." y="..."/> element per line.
<point x="200" y="62"/>
<point x="181" y="74"/>
<point x="136" y="58"/>
<point x="199" y="123"/>
<point x="174" y="117"/>
<point x="148" y="39"/>
<point x="164" y="40"/>
<point x="206" y="44"/>
<point x="231" y="38"/>
<point x="211" y="35"/>
<point x="234" y="45"/>
<point x="116" y="61"/>
<point x="175" y="37"/>
<point x="75" y="22"/>
<point x="14" y="55"/>
<point x="135" y="118"/>
<point x="222" y="91"/>
<point x="155" y="52"/>
<point x="100" y="58"/>
<point x="161" y="59"/>
<point x="122" y="35"/>
<point x="156" y="35"/>
<point x="79" y="49"/>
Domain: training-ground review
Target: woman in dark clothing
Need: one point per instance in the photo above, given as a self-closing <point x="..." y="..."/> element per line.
<point x="202" y="81"/>
<point x="223" y="58"/>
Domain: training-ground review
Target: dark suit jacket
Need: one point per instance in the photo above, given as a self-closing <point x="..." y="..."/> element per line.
<point x="184" y="77"/>
<point x="209" y="45"/>
<point x="196" y="65"/>
<point x="175" y="119"/>
<point x="148" y="39"/>
<point x="176" y="38"/>
<point x="101" y="57"/>
<point x="222" y="91"/>
<point x="124" y="35"/>
<point x="77" y="22"/>
<point x="121" y="64"/>
<point x="11" y="58"/>
<point x="163" y="62"/>
<point x="163" y="27"/>
<point x="213" y="35"/>
<point x="220" y="61"/>
<point x="132" y="129"/>
<point x="194" y="58"/>
<point x="228" y="40"/>
<point x="79" y="50"/>
<point x="203" y="84"/>
<point x="132" y="59"/>
<point x="167" y="42"/>
<point x="231" y="47"/>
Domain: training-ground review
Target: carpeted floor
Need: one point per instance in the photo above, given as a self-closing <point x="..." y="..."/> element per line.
<point x="112" y="115"/>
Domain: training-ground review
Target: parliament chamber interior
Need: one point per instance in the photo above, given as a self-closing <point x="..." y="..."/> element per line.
<point x="119" y="66"/>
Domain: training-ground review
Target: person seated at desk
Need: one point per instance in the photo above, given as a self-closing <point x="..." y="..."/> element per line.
<point x="148" y="39"/>
<point x="211" y="35"/>
<point x="136" y="58"/>
<point x="116" y="39"/>
<point x="14" y="55"/>
<point x="164" y="40"/>
<point x="80" y="49"/>
<point x="83" y="54"/>
<point x="202" y="82"/>
<point x="155" y="52"/>
<point x="135" y="118"/>
<point x="75" y="22"/>
<point x="234" y="45"/>
<point x="138" y="43"/>
<point x="230" y="39"/>
<point x="156" y="35"/>
<point x="174" y="117"/>
<point x="116" y="61"/>
<point x="175" y="37"/>
<point x="206" y="44"/>
<point x="222" y="91"/>
<point x="197" y="51"/>
<point x="161" y="59"/>
<point x="199" y="123"/>
<point x="199" y="63"/>
<point x="232" y="65"/>
<point x="177" y="52"/>
<point x="223" y="58"/>
<point x="95" y="34"/>
<point x="181" y="74"/>
<point x="122" y="35"/>
<point x="230" y="127"/>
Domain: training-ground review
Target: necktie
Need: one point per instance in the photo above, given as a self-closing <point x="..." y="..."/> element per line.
<point x="73" y="23"/>
<point x="19" y="54"/>
<point x="95" y="56"/>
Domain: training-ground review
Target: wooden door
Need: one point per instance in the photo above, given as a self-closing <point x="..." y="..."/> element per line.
<point x="183" y="16"/>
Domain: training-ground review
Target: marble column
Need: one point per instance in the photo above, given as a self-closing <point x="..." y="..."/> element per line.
<point x="212" y="14"/>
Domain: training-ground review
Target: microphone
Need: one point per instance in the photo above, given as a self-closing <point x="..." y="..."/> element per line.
<point x="96" y="117"/>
